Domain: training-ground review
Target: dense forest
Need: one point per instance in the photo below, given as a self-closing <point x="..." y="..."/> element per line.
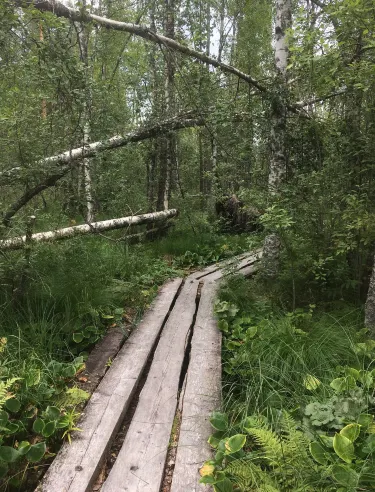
<point x="158" y="137"/>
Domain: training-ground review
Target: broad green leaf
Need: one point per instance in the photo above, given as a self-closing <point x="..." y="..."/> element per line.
<point x="223" y="325"/>
<point x="49" y="429"/>
<point x="235" y="443"/>
<point x="344" y="475"/>
<point x="207" y="480"/>
<point x="351" y="371"/>
<point x="36" y="452"/>
<point x="62" y="422"/>
<point x="215" y="438"/>
<point x="23" y="447"/>
<point x="319" y="454"/>
<point x="343" y="384"/>
<point x="344" y="448"/>
<point x="251" y="332"/>
<point x="351" y="431"/>
<point x="232" y="345"/>
<point x="366" y="378"/>
<point x="52" y="413"/>
<point x="224" y="486"/>
<point x="4" y="417"/>
<point x="78" y="337"/>
<point x="13" y="405"/>
<point x="338" y="384"/>
<point x="38" y="426"/>
<point x="311" y="382"/>
<point x="12" y="427"/>
<point x="219" y="421"/>
<point x="365" y="419"/>
<point x="9" y="454"/>
<point x="327" y="441"/>
<point x="219" y="456"/>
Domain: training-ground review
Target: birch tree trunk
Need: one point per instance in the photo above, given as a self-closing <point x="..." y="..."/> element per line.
<point x="85" y="169"/>
<point x="277" y="168"/>
<point x="370" y="304"/>
<point x="96" y="227"/>
<point x="168" y="157"/>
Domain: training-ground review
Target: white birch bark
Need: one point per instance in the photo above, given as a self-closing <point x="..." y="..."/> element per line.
<point x="277" y="169"/>
<point x="370" y="304"/>
<point x="96" y="227"/>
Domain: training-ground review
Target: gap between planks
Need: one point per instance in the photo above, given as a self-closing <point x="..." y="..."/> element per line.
<point x="76" y="465"/>
<point x="140" y="464"/>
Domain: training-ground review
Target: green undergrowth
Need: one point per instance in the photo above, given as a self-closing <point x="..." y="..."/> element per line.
<point x="55" y="307"/>
<point x="298" y="407"/>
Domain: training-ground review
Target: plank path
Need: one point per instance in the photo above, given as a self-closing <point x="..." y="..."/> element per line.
<point x="175" y="352"/>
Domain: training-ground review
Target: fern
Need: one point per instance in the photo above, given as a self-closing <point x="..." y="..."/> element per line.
<point x="282" y="462"/>
<point x="248" y="476"/>
<point x="4" y="390"/>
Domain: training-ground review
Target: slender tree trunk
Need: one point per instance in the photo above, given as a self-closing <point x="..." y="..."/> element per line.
<point x="44" y="104"/>
<point x="85" y="168"/>
<point x="277" y="169"/>
<point x="168" y="162"/>
<point x="370" y="304"/>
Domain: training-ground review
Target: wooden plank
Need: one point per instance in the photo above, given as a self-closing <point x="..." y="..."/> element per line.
<point x="76" y="466"/>
<point x="201" y="397"/>
<point x="140" y="463"/>
<point x="217" y="266"/>
<point x="235" y="267"/>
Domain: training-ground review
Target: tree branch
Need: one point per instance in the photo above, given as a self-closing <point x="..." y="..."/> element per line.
<point x="66" y="159"/>
<point x="142" y="31"/>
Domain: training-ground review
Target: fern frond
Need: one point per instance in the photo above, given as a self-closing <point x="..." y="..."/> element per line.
<point x="4" y="390"/>
<point x="248" y="476"/>
<point x="270" y="443"/>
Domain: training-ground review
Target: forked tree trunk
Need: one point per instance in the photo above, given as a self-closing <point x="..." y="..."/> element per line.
<point x="277" y="170"/>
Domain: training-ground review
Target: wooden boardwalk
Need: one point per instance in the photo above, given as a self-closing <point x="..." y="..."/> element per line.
<point x="175" y="352"/>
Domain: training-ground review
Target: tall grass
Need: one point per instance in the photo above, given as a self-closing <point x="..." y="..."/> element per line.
<point x="270" y="371"/>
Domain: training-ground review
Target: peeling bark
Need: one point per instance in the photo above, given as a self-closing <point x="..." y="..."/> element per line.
<point x="96" y="227"/>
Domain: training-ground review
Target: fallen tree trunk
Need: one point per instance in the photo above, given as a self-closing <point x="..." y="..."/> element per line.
<point x="144" y="32"/>
<point x="66" y="159"/>
<point x="176" y="123"/>
<point x="96" y="227"/>
<point x="149" y="235"/>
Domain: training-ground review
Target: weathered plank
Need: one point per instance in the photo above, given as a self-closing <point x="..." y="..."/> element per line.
<point x="201" y="397"/>
<point x="200" y="274"/>
<point x="140" y="463"/>
<point x="76" y="466"/>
